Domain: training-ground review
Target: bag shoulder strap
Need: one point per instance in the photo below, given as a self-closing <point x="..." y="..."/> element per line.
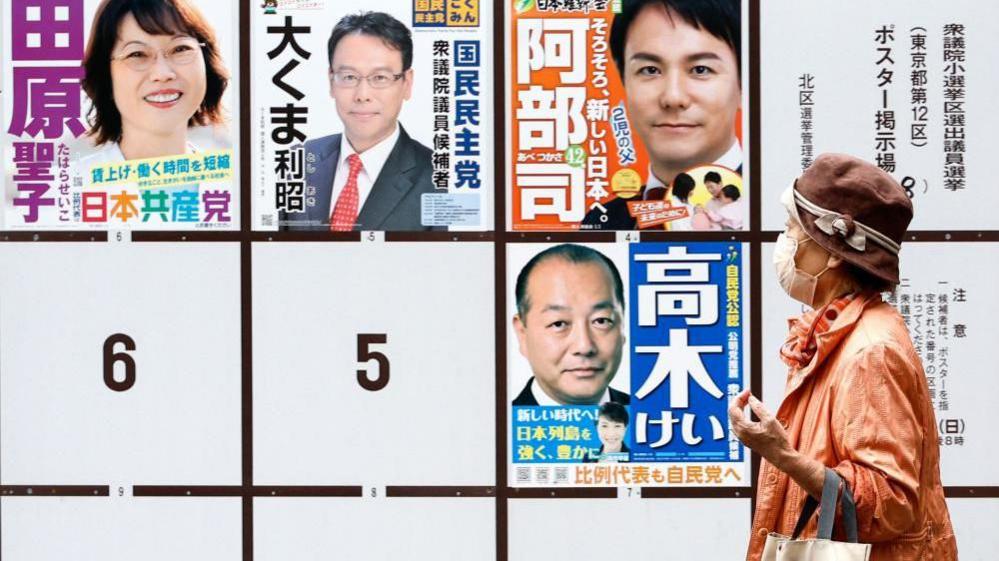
<point x="849" y="514"/>
<point x="827" y="513"/>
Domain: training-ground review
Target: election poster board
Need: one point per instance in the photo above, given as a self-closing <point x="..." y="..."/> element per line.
<point x="633" y="393"/>
<point x="148" y="142"/>
<point x="597" y="138"/>
<point x="435" y="173"/>
<point x="907" y="86"/>
<point x="252" y="393"/>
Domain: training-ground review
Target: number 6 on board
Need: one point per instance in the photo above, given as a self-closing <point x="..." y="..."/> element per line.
<point x="111" y="357"/>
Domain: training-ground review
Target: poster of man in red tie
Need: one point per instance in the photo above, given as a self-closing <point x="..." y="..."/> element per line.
<point x="404" y="148"/>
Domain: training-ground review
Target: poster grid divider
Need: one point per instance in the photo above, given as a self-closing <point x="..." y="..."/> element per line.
<point x="26" y="236"/>
<point x="187" y="491"/>
<point x="246" y="282"/>
<point x="755" y="223"/>
<point x="499" y="284"/>
<point x="55" y="490"/>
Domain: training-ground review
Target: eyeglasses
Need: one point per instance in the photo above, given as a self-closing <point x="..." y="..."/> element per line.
<point x="378" y="80"/>
<point x="142" y="58"/>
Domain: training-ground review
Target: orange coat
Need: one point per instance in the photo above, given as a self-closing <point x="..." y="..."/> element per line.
<point x="862" y="407"/>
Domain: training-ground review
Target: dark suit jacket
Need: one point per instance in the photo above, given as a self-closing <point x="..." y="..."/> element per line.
<point x="618" y="217"/>
<point x="394" y="201"/>
<point x="527" y="398"/>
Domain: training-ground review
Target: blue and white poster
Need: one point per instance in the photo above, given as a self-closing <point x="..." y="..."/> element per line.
<point x="628" y="357"/>
<point x="686" y="351"/>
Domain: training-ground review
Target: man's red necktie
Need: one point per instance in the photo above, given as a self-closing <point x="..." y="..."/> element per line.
<point x="345" y="210"/>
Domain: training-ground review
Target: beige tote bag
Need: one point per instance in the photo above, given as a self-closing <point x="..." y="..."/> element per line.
<point x="823" y="548"/>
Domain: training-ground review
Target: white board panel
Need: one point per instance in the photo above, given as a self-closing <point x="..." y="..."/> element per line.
<point x="179" y="422"/>
<point x="456" y="529"/>
<point x="641" y="529"/>
<point x="433" y="421"/>
<point x="153" y="529"/>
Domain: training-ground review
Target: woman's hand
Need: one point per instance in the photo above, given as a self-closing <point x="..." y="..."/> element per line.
<point x="769" y="439"/>
<point x="766" y="437"/>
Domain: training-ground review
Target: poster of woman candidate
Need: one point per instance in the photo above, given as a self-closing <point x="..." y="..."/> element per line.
<point x="622" y="361"/>
<point x="627" y="115"/>
<point x="119" y="114"/>
<point x="373" y="117"/>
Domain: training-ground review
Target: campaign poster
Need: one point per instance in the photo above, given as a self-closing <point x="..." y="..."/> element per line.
<point x="372" y="117"/>
<point x="908" y="86"/>
<point x="627" y="115"/>
<point x="622" y="361"/>
<point x="119" y="115"/>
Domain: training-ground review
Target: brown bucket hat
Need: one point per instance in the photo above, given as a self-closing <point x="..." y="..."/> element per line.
<point x="854" y="210"/>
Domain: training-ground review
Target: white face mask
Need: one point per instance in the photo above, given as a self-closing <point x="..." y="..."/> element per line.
<point x="796" y="283"/>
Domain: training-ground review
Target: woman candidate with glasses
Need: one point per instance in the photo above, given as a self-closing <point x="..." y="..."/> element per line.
<point x="152" y="71"/>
